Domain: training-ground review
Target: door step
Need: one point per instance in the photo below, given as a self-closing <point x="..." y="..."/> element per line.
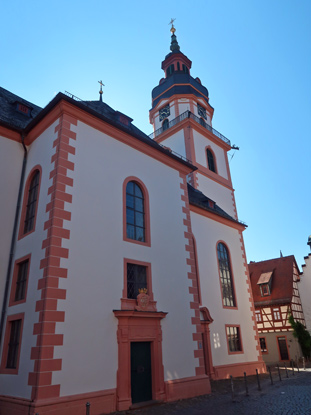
<point x="140" y="405"/>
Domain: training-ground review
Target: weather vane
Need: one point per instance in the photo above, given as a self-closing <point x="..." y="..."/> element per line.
<point x="173" y="30"/>
<point x="101" y="91"/>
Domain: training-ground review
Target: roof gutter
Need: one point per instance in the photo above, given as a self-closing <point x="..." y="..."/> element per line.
<point x="13" y="241"/>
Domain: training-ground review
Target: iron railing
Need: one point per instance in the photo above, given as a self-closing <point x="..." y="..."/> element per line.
<point x="183" y="116"/>
<point x="175" y="153"/>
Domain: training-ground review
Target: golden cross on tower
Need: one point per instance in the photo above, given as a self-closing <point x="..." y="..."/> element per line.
<point x="101" y="91"/>
<point x="173" y="30"/>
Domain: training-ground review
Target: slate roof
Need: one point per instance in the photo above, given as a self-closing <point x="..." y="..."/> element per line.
<point x="16" y="120"/>
<point x="10" y="116"/>
<point x="282" y="280"/>
<point x="199" y="199"/>
<point x="104" y="109"/>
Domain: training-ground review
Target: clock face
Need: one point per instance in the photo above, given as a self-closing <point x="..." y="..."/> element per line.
<point x="164" y="112"/>
<point x="202" y="112"/>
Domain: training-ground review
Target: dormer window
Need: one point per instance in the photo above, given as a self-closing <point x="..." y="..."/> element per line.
<point x="211" y="204"/>
<point x="23" y="109"/>
<point x="264" y="283"/>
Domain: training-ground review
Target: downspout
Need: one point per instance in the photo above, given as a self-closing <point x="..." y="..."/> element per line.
<point x="13" y="241"/>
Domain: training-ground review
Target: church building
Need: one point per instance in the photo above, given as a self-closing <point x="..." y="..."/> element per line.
<point x="123" y="274"/>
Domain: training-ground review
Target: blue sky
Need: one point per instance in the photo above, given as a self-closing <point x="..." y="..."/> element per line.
<point x="253" y="56"/>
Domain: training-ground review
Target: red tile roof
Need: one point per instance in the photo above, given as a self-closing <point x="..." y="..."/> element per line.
<point x="282" y="280"/>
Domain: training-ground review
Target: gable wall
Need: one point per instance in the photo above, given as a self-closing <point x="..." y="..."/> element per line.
<point x="95" y="265"/>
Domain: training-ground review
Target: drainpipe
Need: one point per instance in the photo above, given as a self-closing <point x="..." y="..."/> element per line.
<point x="13" y="241"/>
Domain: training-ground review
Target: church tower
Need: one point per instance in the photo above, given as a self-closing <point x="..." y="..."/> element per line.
<point x="181" y="116"/>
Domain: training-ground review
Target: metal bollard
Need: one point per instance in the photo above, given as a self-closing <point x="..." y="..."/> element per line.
<point x="87" y="406"/>
<point x="303" y="363"/>
<point x="258" y="381"/>
<point x="279" y="372"/>
<point x="269" y="368"/>
<point x="232" y="388"/>
<point x="246" y="387"/>
<point x="293" y="367"/>
<point x="297" y="361"/>
<point x="286" y="369"/>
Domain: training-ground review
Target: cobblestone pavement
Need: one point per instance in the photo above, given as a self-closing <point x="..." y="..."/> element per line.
<point x="290" y="396"/>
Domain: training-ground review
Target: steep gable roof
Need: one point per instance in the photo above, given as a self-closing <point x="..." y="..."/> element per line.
<point x="282" y="280"/>
<point x="15" y="120"/>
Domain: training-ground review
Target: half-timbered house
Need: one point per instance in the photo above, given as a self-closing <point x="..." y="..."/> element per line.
<point x="275" y="286"/>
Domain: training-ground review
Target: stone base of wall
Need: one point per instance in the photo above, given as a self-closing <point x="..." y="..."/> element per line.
<point x="102" y="402"/>
<point x="187" y="387"/>
<point x="238" y="369"/>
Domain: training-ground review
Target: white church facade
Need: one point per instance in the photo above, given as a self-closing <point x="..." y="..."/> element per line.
<point x="123" y="274"/>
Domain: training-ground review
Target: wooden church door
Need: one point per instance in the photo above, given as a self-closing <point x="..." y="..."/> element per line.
<point x="141" y="383"/>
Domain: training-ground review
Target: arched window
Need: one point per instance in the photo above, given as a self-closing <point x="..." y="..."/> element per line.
<point x="135" y="212"/>
<point x="228" y="298"/>
<point x="210" y="160"/>
<point x="31" y="206"/>
<point x="30" y="202"/>
<point x="165" y="124"/>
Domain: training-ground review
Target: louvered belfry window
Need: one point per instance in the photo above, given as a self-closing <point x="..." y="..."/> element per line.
<point x="32" y="203"/>
<point x="228" y="298"/>
<point x="136" y="279"/>
<point x="135" y="212"/>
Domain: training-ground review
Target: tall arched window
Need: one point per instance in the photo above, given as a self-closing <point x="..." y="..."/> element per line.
<point x="135" y="212"/>
<point x="165" y="124"/>
<point x="228" y="298"/>
<point x="32" y="203"/>
<point x="210" y="160"/>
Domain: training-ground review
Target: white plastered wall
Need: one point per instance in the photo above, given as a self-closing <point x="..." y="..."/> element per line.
<point x="305" y="291"/>
<point x="200" y="144"/>
<point x="183" y="105"/>
<point x="217" y="192"/>
<point x="39" y="152"/>
<point x="208" y="233"/>
<point x="176" y="142"/>
<point x="11" y="160"/>
<point x="156" y="120"/>
<point x="95" y="265"/>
